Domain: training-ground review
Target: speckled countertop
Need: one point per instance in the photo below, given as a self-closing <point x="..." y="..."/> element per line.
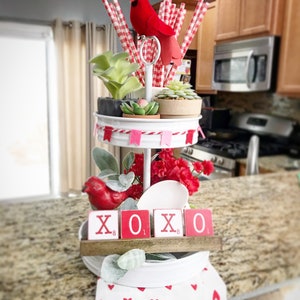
<point x="276" y="163"/>
<point x="257" y="216"/>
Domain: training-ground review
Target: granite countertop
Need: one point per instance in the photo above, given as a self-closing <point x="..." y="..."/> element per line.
<point x="275" y="163"/>
<point x="257" y="217"/>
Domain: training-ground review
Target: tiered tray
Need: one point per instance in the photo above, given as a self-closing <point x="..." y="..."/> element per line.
<point x="151" y="131"/>
<point x="183" y="131"/>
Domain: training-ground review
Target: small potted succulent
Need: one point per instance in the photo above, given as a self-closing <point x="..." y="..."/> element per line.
<point x="140" y="109"/>
<point x="178" y="100"/>
<point x="115" y="70"/>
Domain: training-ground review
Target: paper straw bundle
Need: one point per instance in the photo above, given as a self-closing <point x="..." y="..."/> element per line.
<point x="171" y="15"/>
<point x="116" y="15"/>
<point x="199" y="12"/>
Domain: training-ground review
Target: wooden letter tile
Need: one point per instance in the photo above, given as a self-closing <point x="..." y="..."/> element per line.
<point x="135" y="224"/>
<point x="103" y="225"/>
<point x="198" y="222"/>
<point x="168" y="222"/>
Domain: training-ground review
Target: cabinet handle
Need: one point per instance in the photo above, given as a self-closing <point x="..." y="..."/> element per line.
<point x="248" y="80"/>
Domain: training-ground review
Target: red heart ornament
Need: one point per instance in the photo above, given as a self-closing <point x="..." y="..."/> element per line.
<point x="111" y="286"/>
<point x="194" y="286"/>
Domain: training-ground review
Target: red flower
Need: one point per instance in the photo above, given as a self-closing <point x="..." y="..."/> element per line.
<point x="135" y="191"/>
<point x="168" y="167"/>
<point x="208" y="167"/>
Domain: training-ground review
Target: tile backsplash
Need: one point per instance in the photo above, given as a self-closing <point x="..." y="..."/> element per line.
<point x="267" y="103"/>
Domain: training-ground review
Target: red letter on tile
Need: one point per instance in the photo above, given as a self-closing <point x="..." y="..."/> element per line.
<point x="135" y="224"/>
<point x="198" y="222"/>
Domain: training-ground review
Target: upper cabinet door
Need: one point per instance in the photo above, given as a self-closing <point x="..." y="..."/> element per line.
<point x="289" y="62"/>
<point x="205" y="53"/>
<point x="255" y="16"/>
<point x="248" y="18"/>
<point x="228" y="19"/>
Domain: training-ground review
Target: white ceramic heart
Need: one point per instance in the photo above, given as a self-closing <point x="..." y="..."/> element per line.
<point x="164" y="194"/>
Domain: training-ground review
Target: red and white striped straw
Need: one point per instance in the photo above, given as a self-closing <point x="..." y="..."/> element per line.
<point x="197" y="18"/>
<point x="200" y="10"/>
<point x="124" y="35"/>
<point x="129" y="44"/>
<point x="179" y="19"/>
<point x="173" y="15"/>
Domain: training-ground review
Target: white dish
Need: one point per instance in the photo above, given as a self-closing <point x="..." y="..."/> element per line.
<point x="152" y="274"/>
<point x="164" y="194"/>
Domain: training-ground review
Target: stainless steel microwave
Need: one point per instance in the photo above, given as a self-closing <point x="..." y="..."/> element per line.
<point x="246" y="66"/>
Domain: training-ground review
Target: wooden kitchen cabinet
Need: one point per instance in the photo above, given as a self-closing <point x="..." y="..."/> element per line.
<point x="248" y="18"/>
<point x="289" y="63"/>
<point x="205" y="51"/>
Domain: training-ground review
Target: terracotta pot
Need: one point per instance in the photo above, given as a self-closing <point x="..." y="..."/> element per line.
<point x="172" y="109"/>
<point x="157" y="116"/>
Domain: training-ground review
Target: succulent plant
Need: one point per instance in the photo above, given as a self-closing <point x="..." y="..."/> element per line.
<point x="140" y="107"/>
<point x="115" y="70"/>
<point x="177" y="90"/>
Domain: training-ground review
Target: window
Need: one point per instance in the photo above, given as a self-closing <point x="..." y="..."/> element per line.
<point x="27" y="152"/>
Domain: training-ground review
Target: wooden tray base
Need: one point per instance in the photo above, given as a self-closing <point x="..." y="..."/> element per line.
<point x="151" y="245"/>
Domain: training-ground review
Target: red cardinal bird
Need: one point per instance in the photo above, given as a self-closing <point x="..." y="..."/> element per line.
<point x="145" y="21"/>
<point x="102" y="197"/>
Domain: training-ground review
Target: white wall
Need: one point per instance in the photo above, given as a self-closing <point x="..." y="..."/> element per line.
<point x="83" y="10"/>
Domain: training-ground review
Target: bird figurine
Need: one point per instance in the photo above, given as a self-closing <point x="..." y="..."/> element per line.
<point x="145" y="21"/>
<point x="100" y="196"/>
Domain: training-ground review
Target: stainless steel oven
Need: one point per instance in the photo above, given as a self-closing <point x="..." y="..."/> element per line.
<point x="224" y="146"/>
<point x="225" y="167"/>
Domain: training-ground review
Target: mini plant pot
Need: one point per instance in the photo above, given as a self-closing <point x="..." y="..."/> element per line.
<point x="172" y="109"/>
<point x="109" y="107"/>
<point x="157" y="116"/>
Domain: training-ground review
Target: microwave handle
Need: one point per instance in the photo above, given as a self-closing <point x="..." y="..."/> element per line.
<point x="249" y="56"/>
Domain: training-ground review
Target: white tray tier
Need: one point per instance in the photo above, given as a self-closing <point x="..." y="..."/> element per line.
<point x="152" y="130"/>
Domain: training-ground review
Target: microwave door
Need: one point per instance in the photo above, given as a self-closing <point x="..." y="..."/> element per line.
<point x="242" y="73"/>
<point x="234" y="71"/>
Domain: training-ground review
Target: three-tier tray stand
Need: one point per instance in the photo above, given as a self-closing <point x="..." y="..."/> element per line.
<point x="148" y="134"/>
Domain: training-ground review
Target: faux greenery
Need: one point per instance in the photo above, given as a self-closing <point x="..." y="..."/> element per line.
<point x="178" y="90"/>
<point x="115" y="70"/>
<point x="141" y="107"/>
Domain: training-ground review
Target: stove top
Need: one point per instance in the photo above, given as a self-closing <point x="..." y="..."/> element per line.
<point x="233" y="141"/>
<point x="239" y="148"/>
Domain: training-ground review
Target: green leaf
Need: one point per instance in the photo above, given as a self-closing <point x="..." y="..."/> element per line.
<point x="121" y="184"/>
<point x="108" y="173"/>
<point x="132" y="84"/>
<point x="110" y="271"/>
<point x="132" y="259"/>
<point x="105" y="160"/>
<point x="128" y="204"/>
<point x="128" y="160"/>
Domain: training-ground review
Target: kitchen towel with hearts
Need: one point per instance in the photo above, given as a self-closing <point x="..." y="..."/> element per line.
<point x="206" y="285"/>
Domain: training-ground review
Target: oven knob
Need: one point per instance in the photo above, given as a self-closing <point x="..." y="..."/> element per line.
<point x="221" y="161"/>
<point x="214" y="159"/>
<point x="190" y="150"/>
<point x="187" y="150"/>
